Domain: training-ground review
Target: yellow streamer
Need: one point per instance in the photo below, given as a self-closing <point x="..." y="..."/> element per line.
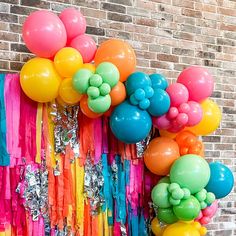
<point x="38" y="132"/>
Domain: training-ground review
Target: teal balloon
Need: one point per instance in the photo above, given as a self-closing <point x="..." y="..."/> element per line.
<point x="100" y="104"/>
<point x="80" y="80"/>
<point x="139" y="94"/>
<point x="129" y="123"/>
<point x="159" y="103"/>
<point x="188" y="209"/>
<point x="95" y="80"/>
<point x="109" y="73"/>
<point x="105" y="89"/>
<point x="165" y="179"/>
<point x="137" y="80"/>
<point x="167" y="215"/>
<point x="144" y="104"/>
<point x="133" y="100"/>
<point x="160" y="195"/>
<point x="191" y="172"/>
<point x="158" y="81"/>
<point x="93" y="92"/>
<point x="149" y="92"/>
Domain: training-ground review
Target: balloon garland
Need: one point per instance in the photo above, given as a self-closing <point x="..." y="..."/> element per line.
<point x="76" y="165"/>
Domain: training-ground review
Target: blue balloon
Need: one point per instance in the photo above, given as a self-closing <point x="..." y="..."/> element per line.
<point x="158" y="81"/>
<point x="221" y="180"/>
<point x="137" y="80"/>
<point x="129" y="123"/>
<point x="159" y="103"/>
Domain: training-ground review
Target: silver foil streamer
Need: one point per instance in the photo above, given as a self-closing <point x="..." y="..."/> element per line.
<point x="123" y="230"/>
<point x="93" y="184"/>
<point x="142" y="145"/>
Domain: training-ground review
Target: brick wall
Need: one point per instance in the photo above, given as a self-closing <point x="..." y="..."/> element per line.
<point x="167" y="35"/>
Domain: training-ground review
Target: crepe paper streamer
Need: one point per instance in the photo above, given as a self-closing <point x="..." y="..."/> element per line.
<point x="38" y="132"/>
<point x="97" y="139"/>
<point x="4" y="156"/>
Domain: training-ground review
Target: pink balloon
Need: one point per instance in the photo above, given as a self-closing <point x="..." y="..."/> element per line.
<point x="210" y="210"/>
<point x="205" y="220"/>
<point x="195" y="113"/>
<point x="161" y="122"/>
<point x="178" y="94"/>
<point x="175" y="127"/>
<point x="86" y="46"/>
<point x="184" y="108"/>
<point x="198" y="82"/>
<point x="74" y="22"/>
<point x="172" y="113"/>
<point x="44" y="34"/>
<point x="182" y="119"/>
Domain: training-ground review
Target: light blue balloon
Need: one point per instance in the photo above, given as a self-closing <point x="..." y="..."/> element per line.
<point x="158" y="81"/>
<point x="137" y="80"/>
<point x="159" y="103"/>
<point x="129" y="123"/>
<point x="221" y="180"/>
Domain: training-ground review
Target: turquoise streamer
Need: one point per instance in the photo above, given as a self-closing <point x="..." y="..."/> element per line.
<point x="4" y="156"/>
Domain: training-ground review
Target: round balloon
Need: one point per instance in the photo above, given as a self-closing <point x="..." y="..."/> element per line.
<point x="39" y="80"/>
<point x="74" y="22"/>
<point x="120" y="54"/>
<point x="67" y="93"/>
<point x="156" y="227"/>
<point x="188" y="209"/>
<point x="124" y="122"/>
<point x="160" y="195"/>
<point x="158" y="81"/>
<point x="100" y="104"/>
<point x="190" y="171"/>
<point x="194" y="113"/>
<point x="166" y="215"/>
<point x="89" y="66"/>
<point x="43" y="33"/>
<point x="198" y="81"/>
<point x="210" y="120"/>
<point x="67" y="61"/>
<point x="221" y="180"/>
<point x="118" y="94"/>
<point x="160" y="155"/>
<point x="86" y="46"/>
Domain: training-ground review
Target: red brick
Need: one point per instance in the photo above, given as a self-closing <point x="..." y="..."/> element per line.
<point x="145" y="21"/>
<point x="166" y="57"/>
<point x="228" y="27"/>
<point x="227" y="11"/>
<point x="191" y="13"/>
<point x="183" y="3"/>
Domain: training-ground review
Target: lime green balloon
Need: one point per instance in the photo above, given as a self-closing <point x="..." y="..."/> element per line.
<point x="93" y="92"/>
<point x="188" y="209"/>
<point x="100" y="104"/>
<point x="109" y="73"/>
<point x="187" y="193"/>
<point x="201" y="196"/>
<point x="80" y="81"/>
<point x="190" y="171"/>
<point x="177" y="194"/>
<point x="210" y="198"/>
<point x="174" y="202"/>
<point x="203" y="205"/>
<point x="173" y="186"/>
<point x="105" y="89"/>
<point x="95" y="80"/>
<point x="166" y="215"/>
<point x="165" y="179"/>
<point x="160" y="195"/>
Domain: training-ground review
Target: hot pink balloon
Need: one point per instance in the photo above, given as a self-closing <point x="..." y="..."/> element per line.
<point x="178" y="94"/>
<point x="44" y="33"/>
<point x="172" y="113"/>
<point x="195" y="113"/>
<point x="86" y="46"/>
<point x="161" y="122"/>
<point x="175" y="127"/>
<point x="184" y="108"/>
<point x="74" y="22"/>
<point x="198" y="81"/>
<point x="182" y="119"/>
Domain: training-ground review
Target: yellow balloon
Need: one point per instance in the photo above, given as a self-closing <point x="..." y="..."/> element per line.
<point x="156" y="227"/>
<point x="210" y="120"/>
<point x="67" y="93"/>
<point x="67" y="61"/>
<point x="89" y="66"/>
<point x="39" y="80"/>
<point x="60" y="101"/>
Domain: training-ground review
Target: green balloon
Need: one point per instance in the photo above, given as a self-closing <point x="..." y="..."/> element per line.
<point x="177" y="194"/>
<point x="95" y="80"/>
<point x="80" y="81"/>
<point x="190" y="171"/>
<point x="105" y="89"/>
<point x="173" y="186"/>
<point x="188" y="209"/>
<point x="201" y="196"/>
<point x="174" y="202"/>
<point x="109" y="73"/>
<point x="203" y="205"/>
<point x="160" y="195"/>
<point x="165" y="179"/>
<point x="166" y="215"/>
<point x="187" y="193"/>
<point x="210" y="198"/>
<point x="93" y="92"/>
<point x="100" y="104"/>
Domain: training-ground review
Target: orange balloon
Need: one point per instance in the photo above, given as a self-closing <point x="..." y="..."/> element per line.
<point x="183" y="136"/>
<point x="60" y="101"/>
<point x="85" y="109"/>
<point x="118" y="52"/>
<point x="160" y="155"/>
<point x="118" y="94"/>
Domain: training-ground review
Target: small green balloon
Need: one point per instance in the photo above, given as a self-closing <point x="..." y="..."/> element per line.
<point x="95" y="80"/>
<point x="190" y="171"/>
<point x="80" y="81"/>
<point x="188" y="209"/>
<point x="105" y="89"/>
<point x="100" y="104"/>
<point x="173" y="186"/>
<point x="109" y="73"/>
<point x="174" y="202"/>
<point x="177" y="194"/>
<point x="166" y="215"/>
<point x="93" y="92"/>
<point x="187" y="193"/>
<point x="203" y="205"/>
<point x="201" y="196"/>
<point x="160" y="195"/>
<point x="210" y="198"/>
<point x="165" y="179"/>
